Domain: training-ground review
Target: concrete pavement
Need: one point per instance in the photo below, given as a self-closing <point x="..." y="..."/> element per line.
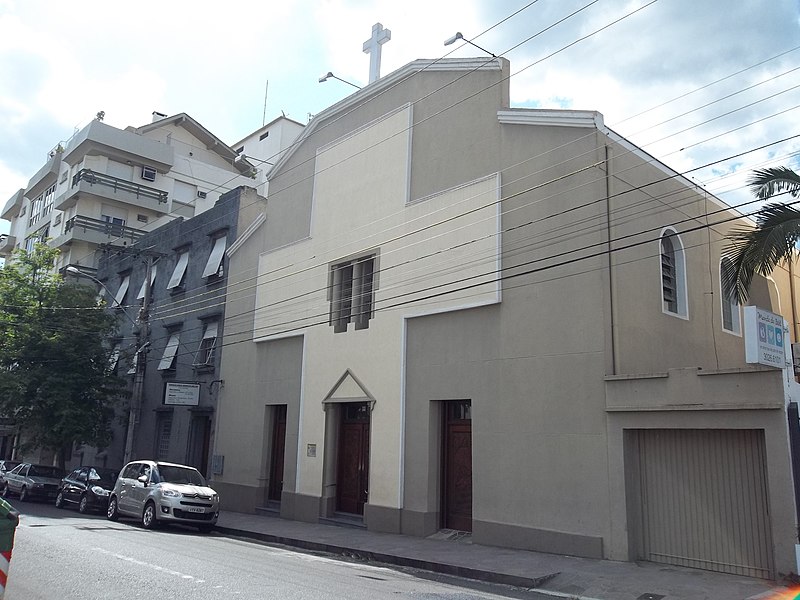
<point x="550" y="574"/>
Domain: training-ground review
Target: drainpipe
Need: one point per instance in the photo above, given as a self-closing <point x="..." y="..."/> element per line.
<point x="611" y="306"/>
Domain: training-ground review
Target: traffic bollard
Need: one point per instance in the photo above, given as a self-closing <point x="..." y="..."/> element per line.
<point x="9" y="519"/>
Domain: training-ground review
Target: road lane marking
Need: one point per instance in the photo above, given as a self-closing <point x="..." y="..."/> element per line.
<point x="141" y="563"/>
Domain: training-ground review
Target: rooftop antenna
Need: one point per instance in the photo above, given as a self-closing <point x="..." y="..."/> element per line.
<point x="264" y="116"/>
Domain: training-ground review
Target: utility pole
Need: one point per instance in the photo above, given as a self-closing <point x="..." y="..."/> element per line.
<point x="141" y="361"/>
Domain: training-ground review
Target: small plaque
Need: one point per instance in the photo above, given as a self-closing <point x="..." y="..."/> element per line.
<point x="311" y="450"/>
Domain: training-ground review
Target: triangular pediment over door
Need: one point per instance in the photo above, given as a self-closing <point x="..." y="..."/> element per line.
<point x="348" y="389"/>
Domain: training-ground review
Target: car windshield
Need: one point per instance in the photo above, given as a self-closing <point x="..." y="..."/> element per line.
<point x="173" y="474"/>
<point x="105" y="476"/>
<point x="45" y="471"/>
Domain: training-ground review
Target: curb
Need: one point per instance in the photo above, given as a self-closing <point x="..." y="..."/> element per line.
<point x="391" y="559"/>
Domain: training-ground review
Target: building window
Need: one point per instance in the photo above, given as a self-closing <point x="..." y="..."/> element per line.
<point x="48" y="198"/>
<point x="208" y="345"/>
<point x="168" y="358"/>
<point x="113" y="359"/>
<point x="214" y="267"/>
<point x="36" y="209"/>
<point x="673" y="274"/>
<point x="143" y="289"/>
<point x="731" y="316"/>
<point x="179" y="274"/>
<point x="119" y="299"/>
<point x="162" y="436"/>
<point x="351" y="293"/>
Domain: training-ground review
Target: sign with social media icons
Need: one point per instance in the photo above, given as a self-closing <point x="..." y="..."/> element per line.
<point x="764" y="337"/>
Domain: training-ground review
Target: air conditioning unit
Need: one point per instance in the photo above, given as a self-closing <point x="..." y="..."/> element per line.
<point x="148" y="173"/>
<point x="58" y="220"/>
<point x="201" y="194"/>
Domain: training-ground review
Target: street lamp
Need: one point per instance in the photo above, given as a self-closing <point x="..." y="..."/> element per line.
<point x="330" y="75"/>
<point x="141" y="348"/>
<point x="460" y="36"/>
<point x="78" y="273"/>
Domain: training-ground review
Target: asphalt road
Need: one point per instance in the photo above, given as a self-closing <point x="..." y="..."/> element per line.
<point x="61" y="554"/>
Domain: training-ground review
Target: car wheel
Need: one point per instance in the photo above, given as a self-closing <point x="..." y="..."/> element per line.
<point x="60" y="500"/>
<point x="149" y="519"/>
<point x="205" y="528"/>
<point x="112" y="514"/>
<point x="23" y="494"/>
<point x="83" y="505"/>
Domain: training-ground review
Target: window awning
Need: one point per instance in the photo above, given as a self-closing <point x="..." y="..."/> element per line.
<point x="144" y="283"/>
<point x="211" y="331"/>
<point x="180" y="269"/>
<point x="169" y="353"/>
<point x="123" y="289"/>
<point x="215" y="258"/>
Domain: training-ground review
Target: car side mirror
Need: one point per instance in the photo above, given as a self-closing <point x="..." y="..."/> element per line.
<point x="142" y="479"/>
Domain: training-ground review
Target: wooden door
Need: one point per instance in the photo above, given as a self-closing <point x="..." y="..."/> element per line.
<point x="278" y="452"/>
<point x="457" y="466"/>
<point x="352" y="476"/>
<point x="199" y="443"/>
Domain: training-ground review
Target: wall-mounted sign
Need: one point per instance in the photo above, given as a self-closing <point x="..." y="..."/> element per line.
<point x="182" y="394"/>
<point x="763" y="337"/>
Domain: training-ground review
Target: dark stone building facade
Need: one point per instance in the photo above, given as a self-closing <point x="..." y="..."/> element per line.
<point x="173" y="403"/>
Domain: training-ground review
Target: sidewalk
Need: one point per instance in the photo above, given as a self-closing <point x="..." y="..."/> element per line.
<point x="550" y="574"/>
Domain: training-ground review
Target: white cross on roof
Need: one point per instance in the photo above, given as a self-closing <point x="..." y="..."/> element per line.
<point x="373" y="47"/>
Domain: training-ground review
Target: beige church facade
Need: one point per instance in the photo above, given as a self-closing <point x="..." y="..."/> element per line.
<point x="459" y="315"/>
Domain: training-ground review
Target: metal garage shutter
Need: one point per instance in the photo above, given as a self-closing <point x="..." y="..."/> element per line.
<point x="704" y="500"/>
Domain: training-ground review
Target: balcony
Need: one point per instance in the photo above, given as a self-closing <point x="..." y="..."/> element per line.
<point x="13" y="206"/>
<point x="7" y="243"/>
<point x="108" y="187"/>
<point x="99" y="139"/>
<point x="45" y="177"/>
<point x="95" y="231"/>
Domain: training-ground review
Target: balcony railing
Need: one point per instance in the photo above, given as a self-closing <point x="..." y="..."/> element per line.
<point x="117" y="184"/>
<point x="111" y="230"/>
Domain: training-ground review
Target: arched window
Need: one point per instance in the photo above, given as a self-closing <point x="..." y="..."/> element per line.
<point x="731" y="317"/>
<point x="673" y="274"/>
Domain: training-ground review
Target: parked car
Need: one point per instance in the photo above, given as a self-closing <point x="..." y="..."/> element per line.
<point x="30" y="481"/>
<point x="88" y="487"/>
<point x="6" y="465"/>
<point x="161" y="492"/>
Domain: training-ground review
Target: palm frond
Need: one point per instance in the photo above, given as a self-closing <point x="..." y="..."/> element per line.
<point x="765" y="183"/>
<point x="759" y="250"/>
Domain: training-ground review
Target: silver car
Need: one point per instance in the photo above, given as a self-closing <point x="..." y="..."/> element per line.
<point x="160" y="492"/>
<point x="32" y="481"/>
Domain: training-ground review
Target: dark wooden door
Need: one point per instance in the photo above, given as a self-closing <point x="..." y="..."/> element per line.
<point x="278" y="452"/>
<point x="457" y="466"/>
<point x="352" y="477"/>
<point x="200" y="443"/>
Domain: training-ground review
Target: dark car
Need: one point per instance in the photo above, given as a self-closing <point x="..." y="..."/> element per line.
<point x="88" y="488"/>
<point x="33" y="481"/>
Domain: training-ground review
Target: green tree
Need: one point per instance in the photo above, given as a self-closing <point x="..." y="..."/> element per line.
<point x="56" y="377"/>
<point x="773" y="240"/>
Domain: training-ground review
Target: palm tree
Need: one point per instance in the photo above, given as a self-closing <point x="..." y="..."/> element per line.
<point x="774" y="239"/>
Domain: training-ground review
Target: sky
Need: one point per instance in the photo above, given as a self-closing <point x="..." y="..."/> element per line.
<point x="734" y="68"/>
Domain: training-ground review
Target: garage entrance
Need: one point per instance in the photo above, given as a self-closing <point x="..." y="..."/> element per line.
<point x="702" y="499"/>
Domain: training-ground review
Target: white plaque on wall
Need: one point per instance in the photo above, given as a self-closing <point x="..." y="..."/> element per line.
<point x="764" y="337"/>
<point x="182" y="394"/>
